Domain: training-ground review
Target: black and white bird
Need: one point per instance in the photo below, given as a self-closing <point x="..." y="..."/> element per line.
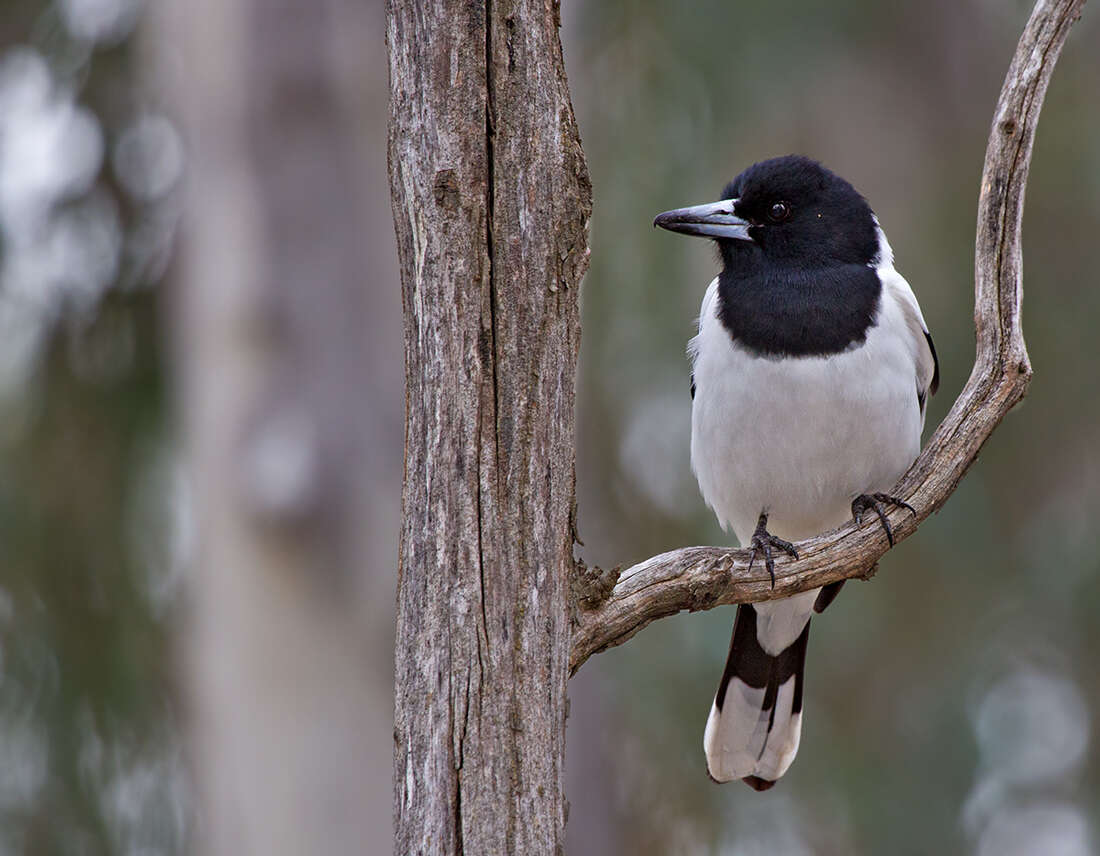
<point x="810" y="375"/>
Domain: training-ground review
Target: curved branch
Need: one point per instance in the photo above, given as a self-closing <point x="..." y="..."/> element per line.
<point x="695" y="578"/>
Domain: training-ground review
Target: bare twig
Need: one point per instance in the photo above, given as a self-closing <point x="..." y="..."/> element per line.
<point x="695" y="578"/>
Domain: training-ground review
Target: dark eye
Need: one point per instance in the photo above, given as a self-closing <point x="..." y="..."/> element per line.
<point x="779" y="212"/>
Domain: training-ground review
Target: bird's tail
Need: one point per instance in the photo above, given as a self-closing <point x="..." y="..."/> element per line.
<point x="756" y="719"/>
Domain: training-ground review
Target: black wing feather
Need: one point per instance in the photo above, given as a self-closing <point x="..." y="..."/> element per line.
<point x="932" y="387"/>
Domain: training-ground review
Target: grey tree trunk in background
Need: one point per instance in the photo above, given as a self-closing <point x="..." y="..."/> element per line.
<point x="278" y="323"/>
<point x="491" y="200"/>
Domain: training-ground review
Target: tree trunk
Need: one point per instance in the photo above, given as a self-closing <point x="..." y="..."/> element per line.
<point x="491" y="202"/>
<point x="287" y="658"/>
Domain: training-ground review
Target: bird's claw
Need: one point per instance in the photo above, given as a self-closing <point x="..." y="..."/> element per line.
<point x="763" y="541"/>
<point x="875" y="501"/>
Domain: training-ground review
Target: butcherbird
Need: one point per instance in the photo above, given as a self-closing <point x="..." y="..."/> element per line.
<point x="810" y="375"/>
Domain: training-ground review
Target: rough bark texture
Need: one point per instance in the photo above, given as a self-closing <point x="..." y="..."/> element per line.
<point x="702" y="577"/>
<point x="491" y="204"/>
<point x="273" y="316"/>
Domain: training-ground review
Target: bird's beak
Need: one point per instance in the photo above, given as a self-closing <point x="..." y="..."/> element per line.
<point x="713" y="220"/>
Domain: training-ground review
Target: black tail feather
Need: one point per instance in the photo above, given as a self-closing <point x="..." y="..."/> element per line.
<point x="753" y="667"/>
<point x="827" y="595"/>
<point x="751" y="664"/>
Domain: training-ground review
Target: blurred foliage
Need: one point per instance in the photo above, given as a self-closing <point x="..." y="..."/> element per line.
<point x="89" y="750"/>
<point x="902" y="751"/>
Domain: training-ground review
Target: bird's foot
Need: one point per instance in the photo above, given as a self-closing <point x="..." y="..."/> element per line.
<point x="875" y="502"/>
<point x="763" y="541"/>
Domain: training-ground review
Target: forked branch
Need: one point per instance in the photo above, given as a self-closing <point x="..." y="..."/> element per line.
<point x="695" y="578"/>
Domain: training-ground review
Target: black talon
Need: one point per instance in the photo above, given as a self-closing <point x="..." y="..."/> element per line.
<point x="875" y="502"/>
<point x="763" y="540"/>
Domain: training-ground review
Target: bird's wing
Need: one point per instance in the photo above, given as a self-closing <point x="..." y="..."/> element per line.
<point x="920" y="340"/>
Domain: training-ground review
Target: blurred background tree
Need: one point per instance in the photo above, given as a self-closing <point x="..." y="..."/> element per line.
<point x="97" y="512"/>
<point x="933" y="724"/>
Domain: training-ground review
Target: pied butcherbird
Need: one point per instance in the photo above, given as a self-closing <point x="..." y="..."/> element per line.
<point x="810" y="375"/>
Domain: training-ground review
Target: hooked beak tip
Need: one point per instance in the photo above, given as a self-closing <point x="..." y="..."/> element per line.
<point x="712" y="220"/>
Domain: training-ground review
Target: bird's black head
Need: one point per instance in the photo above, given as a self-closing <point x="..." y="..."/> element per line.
<point x="787" y="211"/>
<point x="799" y="248"/>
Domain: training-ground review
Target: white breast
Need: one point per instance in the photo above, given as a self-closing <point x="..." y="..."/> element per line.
<point x="800" y="437"/>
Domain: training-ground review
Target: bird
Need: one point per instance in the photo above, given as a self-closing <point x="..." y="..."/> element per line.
<point x="810" y="374"/>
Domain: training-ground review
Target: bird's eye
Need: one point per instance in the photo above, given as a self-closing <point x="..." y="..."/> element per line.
<point x="779" y="212"/>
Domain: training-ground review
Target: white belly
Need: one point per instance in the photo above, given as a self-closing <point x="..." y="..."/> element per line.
<point x="800" y="438"/>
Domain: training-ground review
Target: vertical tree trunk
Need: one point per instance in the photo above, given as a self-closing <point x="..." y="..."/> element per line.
<point x="273" y="322"/>
<point x="491" y="203"/>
